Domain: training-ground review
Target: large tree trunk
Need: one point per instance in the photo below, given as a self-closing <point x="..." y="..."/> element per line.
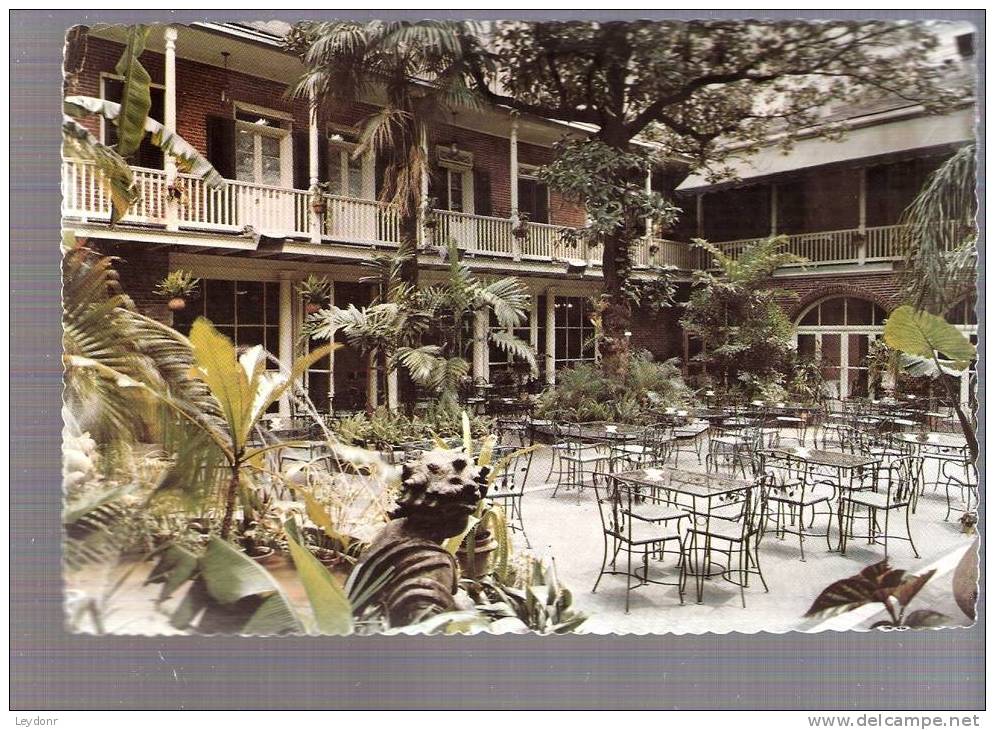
<point x="405" y="390"/>
<point x="616" y="314"/>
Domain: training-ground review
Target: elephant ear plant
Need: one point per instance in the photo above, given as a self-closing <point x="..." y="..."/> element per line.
<point x="936" y="348"/>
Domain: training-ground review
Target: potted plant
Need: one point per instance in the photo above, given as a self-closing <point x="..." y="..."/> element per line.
<point x="260" y="544"/>
<point x="430" y="219"/>
<point x="314" y="290"/>
<point x="177" y="286"/>
<point x="521" y="228"/>
<point x="177" y="191"/>
<point x="969" y="523"/>
<point x="319" y="201"/>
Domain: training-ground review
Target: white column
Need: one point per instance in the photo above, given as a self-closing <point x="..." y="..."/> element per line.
<point x="169" y="122"/>
<point x="313" y="141"/>
<point x="773" y="209"/>
<point x="550" y="337"/>
<point x="331" y="355"/>
<point x="862" y="215"/>
<point x="372" y="395"/>
<point x="392" y="390"/>
<point x="481" y="321"/>
<point x="286" y="352"/>
<point x="649" y="191"/>
<point x="422" y="208"/>
<point x="516" y="243"/>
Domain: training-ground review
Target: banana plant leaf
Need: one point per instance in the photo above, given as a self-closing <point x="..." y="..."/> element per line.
<point x="114" y="171"/>
<point x="188" y="159"/>
<point x="136" y="97"/>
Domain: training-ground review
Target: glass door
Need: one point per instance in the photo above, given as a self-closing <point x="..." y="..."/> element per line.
<point x="262" y="158"/>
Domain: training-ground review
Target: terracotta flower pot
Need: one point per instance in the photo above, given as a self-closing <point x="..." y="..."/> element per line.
<point x="265" y="556"/>
<point x="176" y="304"/>
<point x="319" y="208"/>
<point x="312" y="307"/>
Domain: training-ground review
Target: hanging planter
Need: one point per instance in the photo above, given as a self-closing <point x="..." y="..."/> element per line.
<point x="314" y="290"/>
<point x="177" y="287"/>
<point x="177" y="191"/>
<point x="319" y="199"/>
<point x="520" y="229"/>
<point x="430" y="218"/>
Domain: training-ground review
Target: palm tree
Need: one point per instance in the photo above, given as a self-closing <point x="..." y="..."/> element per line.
<point x="451" y="308"/>
<point x="418" y="67"/>
<point x="942" y="237"/>
<point x="394" y="326"/>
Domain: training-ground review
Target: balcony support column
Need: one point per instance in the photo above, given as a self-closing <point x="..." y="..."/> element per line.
<point x="862" y="215"/>
<point x="649" y="219"/>
<point x="516" y="243"/>
<point x="422" y="236"/>
<point x="481" y="322"/>
<point x="773" y="209"/>
<point x="286" y="342"/>
<point x="169" y="122"/>
<point x="534" y="321"/>
<point x="313" y="172"/>
<point x="550" y="337"/>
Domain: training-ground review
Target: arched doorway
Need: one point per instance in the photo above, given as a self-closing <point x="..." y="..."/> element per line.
<point x="841" y="328"/>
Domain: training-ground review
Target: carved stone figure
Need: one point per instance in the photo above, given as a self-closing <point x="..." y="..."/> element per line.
<point x="439" y="491"/>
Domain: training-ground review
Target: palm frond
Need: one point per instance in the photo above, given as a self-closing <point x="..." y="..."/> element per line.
<point x="509" y="299"/>
<point x="942" y="235"/>
<point x="515" y="346"/>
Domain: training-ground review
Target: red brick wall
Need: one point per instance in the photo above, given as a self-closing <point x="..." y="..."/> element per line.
<point x="658" y="332"/>
<point x="140" y="270"/>
<point x="882" y="288"/>
<point x="198" y="96"/>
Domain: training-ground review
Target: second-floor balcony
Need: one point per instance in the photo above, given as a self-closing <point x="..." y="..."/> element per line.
<point x="235" y="207"/>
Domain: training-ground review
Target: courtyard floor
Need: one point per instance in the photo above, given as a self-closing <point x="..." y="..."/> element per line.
<point x="568" y="531"/>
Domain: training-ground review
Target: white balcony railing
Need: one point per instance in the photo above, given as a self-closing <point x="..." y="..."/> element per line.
<point x="845" y="246"/>
<point x="280" y="211"/>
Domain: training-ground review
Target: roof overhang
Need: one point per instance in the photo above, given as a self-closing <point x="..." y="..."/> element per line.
<point x="870" y="138"/>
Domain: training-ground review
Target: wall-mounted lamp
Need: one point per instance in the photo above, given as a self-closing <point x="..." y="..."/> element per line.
<point x="225" y="95"/>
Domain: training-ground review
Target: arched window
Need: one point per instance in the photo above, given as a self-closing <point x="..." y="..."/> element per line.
<point x="839" y="330"/>
<point x="845" y="311"/>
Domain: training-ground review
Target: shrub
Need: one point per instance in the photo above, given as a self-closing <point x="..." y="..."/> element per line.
<point x="585" y="393"/>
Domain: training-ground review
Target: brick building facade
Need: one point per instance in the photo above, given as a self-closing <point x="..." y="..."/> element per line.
<point x="839" y="205"/>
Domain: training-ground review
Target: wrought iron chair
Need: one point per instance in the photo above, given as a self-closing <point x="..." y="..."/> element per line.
<point x="508" y="486"/>
<point x="959" y="473"/>
<point x="734" y="531"/>
<point x="578" y="460"/>
<point x="687" y="439"/>
<point x="896" y="490"/>
<point x="732" y="448"/>
<point x="792" y="494"/>
<point x="635" y="523"/>
<point x="650" y="449"/>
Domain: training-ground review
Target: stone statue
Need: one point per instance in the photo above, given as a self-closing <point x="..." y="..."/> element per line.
<point x="439" y="492"/>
